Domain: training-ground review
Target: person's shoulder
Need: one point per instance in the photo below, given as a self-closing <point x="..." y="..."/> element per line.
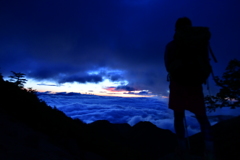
<point x="170" y="44"/>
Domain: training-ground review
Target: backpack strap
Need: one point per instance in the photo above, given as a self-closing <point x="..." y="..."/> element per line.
<point x="215" y="60"/>
<point x="212" y="54"/>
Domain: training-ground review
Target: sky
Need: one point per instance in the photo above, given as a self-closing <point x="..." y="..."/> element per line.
<point x="107" y="46"/>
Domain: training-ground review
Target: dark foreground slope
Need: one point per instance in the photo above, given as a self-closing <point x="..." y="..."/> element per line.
<point x="32" y="130"/>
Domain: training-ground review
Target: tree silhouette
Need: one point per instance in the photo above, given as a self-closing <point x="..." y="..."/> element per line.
<point x="229" y="83"/>
<point x="18" y="79"/>
<point x="1" y="77"/>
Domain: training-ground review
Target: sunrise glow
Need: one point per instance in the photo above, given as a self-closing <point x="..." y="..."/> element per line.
<point x="88" y="88"/>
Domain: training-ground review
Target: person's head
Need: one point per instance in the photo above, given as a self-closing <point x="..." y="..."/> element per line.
<point x="182" y="23"/>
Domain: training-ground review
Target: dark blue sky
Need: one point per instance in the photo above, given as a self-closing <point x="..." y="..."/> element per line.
<point x="63" y="40"/>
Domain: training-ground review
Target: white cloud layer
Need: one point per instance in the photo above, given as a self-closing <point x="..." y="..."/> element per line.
<point x="90" y="108"/>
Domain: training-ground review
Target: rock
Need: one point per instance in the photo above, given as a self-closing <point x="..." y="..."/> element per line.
<point x="151" y="141"/>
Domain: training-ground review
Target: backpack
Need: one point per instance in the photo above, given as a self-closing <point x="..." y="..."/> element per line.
<point x="190" y="64"/>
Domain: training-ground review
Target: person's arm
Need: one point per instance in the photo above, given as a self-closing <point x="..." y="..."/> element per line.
<point x="168" y="55"/>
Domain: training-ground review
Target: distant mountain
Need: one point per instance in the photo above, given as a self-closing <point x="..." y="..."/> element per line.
<point x="30" y="129"/>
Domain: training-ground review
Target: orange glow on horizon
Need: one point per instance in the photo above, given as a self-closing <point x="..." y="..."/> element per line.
<point x="112" y="94"/>
<point x="113" y="89"/>
<point x="88" y="89"/>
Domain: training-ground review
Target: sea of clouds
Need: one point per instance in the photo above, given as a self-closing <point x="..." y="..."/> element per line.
<point x="131" y="110"/>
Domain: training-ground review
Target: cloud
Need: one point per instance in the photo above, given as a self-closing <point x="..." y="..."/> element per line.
<point x="43" y="84"/>
<point x="120" y="88"/>
<point x="90" y="108"/>
<point x="115" y="76"/>
<point x="44" y="93"/>
<point x="143" y="92"/>
<point x="125" y="88"/>
<point x="81" y="79"/>
<point x="61" y="93"/>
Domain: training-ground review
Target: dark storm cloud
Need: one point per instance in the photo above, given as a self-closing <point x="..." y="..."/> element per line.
<point x="114" y="76"/>
<point x="81" y="79"/>
<point x="125" y="88"/>
<point x="46" y="39"/>
<point x="120" y="88"/>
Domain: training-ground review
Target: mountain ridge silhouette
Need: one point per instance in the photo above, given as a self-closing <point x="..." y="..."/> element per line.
<point x="33" y="130"/>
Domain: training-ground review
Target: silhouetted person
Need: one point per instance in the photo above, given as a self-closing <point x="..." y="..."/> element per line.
<point x="186" y="96"/>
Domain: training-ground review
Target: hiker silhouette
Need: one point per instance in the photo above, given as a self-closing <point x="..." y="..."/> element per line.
<point x="187" y="63"/>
